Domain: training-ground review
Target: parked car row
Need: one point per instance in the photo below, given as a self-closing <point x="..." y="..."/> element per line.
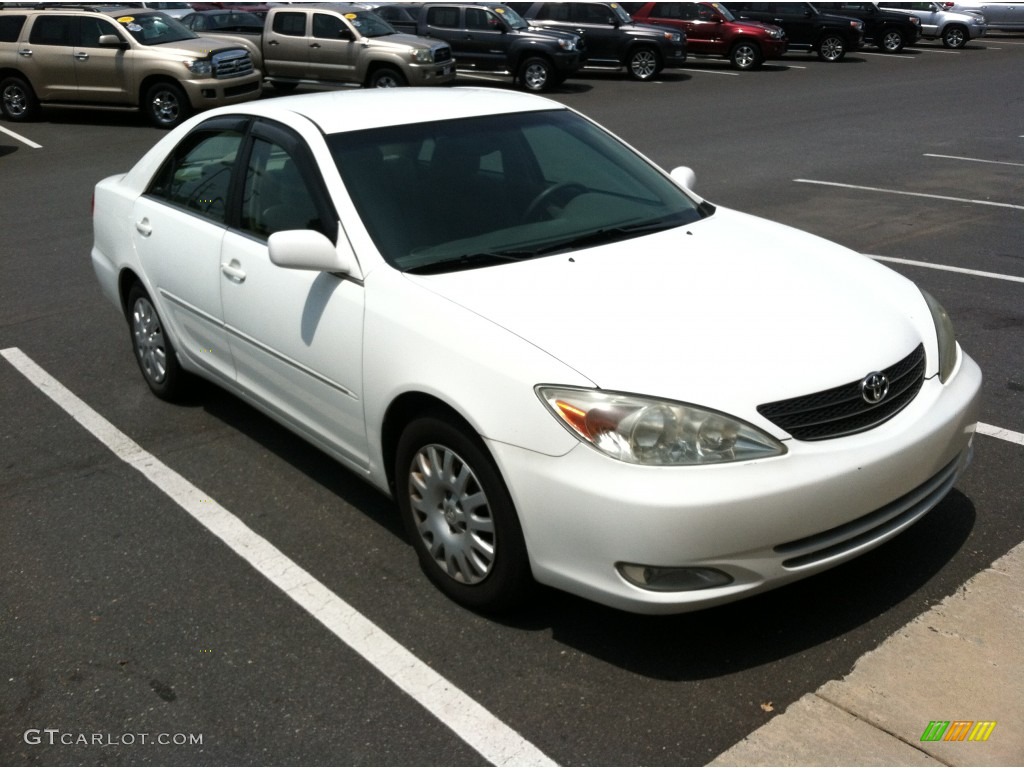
<point x="132" y="56"/>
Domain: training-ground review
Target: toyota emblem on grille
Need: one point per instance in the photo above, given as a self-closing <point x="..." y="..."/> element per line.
<point x="874" y="388"/>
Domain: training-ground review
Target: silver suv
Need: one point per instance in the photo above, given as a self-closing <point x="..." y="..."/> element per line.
<point x="953" y="29"/>
<point x="119" y="58"/>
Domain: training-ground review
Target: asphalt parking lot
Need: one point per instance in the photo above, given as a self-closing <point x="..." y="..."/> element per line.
<point x="316" y="640"/>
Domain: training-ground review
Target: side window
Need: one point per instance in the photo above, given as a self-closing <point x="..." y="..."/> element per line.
<point x="52" y="30"/>
<point x="328" y="27"/>
<point x="197" y="175"/>
<point x="10" y="28"/>
<point x="481" y="19"/>
<point x="438" y="16"/>
<point x="90" y="29"/>
<point x="555" y="11"/>
<point x="593" y="13"/>
<point x="293" y="24"/>
<point x="276" y="195"/>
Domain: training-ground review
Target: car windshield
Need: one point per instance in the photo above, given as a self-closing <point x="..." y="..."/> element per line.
<point x="620" y="12"/>
<point x="724" y="12"/>
<point x="470" y="192"/>
<point x="514" y="19"/>
<point x="155" y="28"/>
<point x="369" y="24"/>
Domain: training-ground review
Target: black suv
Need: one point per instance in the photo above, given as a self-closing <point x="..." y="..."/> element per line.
<point x="806" y="28"/>
<point x="611" y="36"/>
<point x="491" y="37"/>
<point x="884" y="29"/>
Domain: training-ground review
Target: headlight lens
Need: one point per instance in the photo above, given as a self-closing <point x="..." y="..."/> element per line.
<point x="945" y="335"/>
<point x="675" y="37"/>
<point x="568" y="45"/>
<point x="423" y="55"/>
<point x="643" y="430"/>
<point x="201" y="67"/>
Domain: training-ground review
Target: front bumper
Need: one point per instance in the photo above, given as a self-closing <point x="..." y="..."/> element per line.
<point x="764" y="523"/>
<point x="213" y="92"/>
<point x="432" y="74"/>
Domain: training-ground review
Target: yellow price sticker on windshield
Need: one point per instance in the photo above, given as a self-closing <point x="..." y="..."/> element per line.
<point x="126" y="20"/>
<point x="351" y="16"/>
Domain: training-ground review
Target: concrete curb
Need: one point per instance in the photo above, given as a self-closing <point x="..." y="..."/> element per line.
<point x="962" y="660"/>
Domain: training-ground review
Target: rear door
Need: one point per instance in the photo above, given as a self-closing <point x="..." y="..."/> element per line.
<point x="48" y="57"/>
<point x="286" y="45"/>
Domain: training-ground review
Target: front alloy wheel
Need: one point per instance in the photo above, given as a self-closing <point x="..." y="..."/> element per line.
<point x="955" y="37"/>
<point x="167" y="105"/>
<point x="833" y="48"/>
<point x="643" y="63"/>
<point x="745" y="56"/>
<point x="535" y="75"/>
<point x="459" y="515"/>
<point x="892" y="41"/>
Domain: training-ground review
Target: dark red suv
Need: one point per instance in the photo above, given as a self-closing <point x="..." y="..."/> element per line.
<point x="712" y="30"/>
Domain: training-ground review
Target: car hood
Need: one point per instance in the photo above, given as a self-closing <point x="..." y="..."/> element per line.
<point x="730" y="312"/>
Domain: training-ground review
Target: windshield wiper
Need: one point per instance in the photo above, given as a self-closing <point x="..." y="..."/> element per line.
<point x="609" y="235"/>
<point x="470" y="261"/>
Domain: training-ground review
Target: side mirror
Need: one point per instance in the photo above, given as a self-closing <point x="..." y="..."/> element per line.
<point x="684" y="176"/>
<point x="112" y="41"/>
<point x="306" y="249"/>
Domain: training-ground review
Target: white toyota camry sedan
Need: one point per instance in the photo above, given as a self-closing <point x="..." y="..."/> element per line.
<point x="564" y="365"/>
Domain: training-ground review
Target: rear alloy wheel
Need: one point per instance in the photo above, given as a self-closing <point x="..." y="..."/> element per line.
<point x="955" y="37"/>
<point x="745" y="55"/>
<point x="832" y="48"/>
<point x="386" y="77"/>
<point x="153" y="349"/>
<point x="166" y="105"/>
<point x="459" y="515"/>
<point x="535" y="74"/>
<point x="892" y="41"/>
<point x="17" y="100"/>
<point x="643" y="63"/>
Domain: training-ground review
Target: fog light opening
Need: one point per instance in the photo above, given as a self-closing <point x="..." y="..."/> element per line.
<point x="662" y="579"/>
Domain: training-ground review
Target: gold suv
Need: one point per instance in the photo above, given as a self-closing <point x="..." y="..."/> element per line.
<point x="116" y="58"/>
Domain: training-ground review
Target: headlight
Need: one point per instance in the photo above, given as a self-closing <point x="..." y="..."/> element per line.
<point x="567" y="45"/>
<point x="643" y="430"/>
<point x="675" y="37"/>
<point x="201" y="67"/>
<point x="945" y="335"/>
<point x="423" y="55"/>
<point x="858" y="25"/>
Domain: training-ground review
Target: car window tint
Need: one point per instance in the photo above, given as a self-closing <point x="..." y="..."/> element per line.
<point x="91" y="29"/>
<point x="52" y="30"/>
<point x="555" y="11"/>
<point x="438" y="16"/>
<point x="276" y="196"/>
<point x="10" y="28"/>
<point x="293" y="24"/>
<point x="327" y="27"/>
<point x="197" y="175"/>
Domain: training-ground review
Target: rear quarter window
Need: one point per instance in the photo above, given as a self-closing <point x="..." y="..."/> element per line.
<point x="10" y="28"/>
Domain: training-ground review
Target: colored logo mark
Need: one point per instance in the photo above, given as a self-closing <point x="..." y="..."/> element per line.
<point x="958" y="730"/>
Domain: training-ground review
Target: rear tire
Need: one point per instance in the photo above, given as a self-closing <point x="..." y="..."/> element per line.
<point x="153" y="349"/>
<point x="17" y="100"/>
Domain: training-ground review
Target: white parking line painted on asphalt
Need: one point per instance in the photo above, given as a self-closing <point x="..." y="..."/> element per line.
<point x="471" y="722"/>
<point x="946" y="268"/>
<point x="910" y="194"/>
<point x="20" y="138"/>
<point x="709" y="71"/>
<point x="973" y="159"/>
<point x="1001" y="434"/>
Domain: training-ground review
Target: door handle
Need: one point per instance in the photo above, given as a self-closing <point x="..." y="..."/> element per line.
<point x="144" y="228"/>
<point x="314" y="45"/>
<point x="82" y="56"/>
<point x="233" y="271"/>
<point x="26" y="52"/>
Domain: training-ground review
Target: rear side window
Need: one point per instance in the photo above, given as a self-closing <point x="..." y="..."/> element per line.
<point x="10" y="28"/>
<point x="439" y="16"/>
<point x="52" y="30"/>
<point x="293" y="24"/>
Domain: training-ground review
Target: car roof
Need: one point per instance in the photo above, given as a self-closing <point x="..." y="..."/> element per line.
<point x="353" y="110"/>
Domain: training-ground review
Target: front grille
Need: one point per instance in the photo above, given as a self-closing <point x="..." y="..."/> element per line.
<point x="228" y="64"/>
<point x="442" y="54"/>
<point x="841" y="410"/>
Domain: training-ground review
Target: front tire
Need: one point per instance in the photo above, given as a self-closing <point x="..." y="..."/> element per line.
<point x="154" y="351"/>
<point x="643" y="63"/>
<point x="17" y="100"/>
<point x="386" y="77"/>
<point x="459" y="515"/>
<point x="746" y="56"/>
<point x="955" y="36"/>
<point x="892" y="41"/>
<point x="535" y="74"/>
<point x="166" y="105"/>
<point x="832" y="48"/>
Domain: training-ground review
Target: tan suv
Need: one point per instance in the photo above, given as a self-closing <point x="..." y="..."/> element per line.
<point x="119" y="58"/>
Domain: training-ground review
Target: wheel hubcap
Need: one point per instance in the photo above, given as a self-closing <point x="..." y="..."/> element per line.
<point x="165" y="107"/>
<point x="149" y="341"/>
<point x="536" y="76"/>
<point x="644" y="64"/>
<point x="832" y="49"/>
<point x="452" y="514"/>
<point x="745" y="57"/>
<point x="14" y="101"/>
